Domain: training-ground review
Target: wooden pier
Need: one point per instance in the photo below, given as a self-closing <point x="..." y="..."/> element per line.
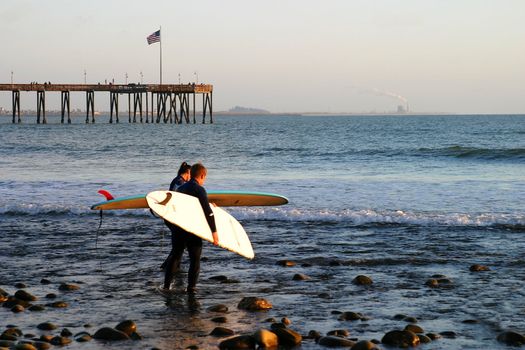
<point x="169" y="102"/>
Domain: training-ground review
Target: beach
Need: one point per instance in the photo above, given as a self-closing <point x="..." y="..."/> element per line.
<point x="429" y="208"/>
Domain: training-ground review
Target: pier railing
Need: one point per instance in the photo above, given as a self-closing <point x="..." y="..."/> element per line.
<point x="163" y="98"/>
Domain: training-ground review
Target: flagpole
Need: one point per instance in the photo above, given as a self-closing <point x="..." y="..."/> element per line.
<point x="160" y="41"/>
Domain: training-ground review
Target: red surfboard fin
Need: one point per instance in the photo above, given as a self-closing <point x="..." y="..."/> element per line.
<point x="106" y="194"/>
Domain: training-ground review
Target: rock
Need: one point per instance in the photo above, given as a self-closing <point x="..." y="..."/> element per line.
<point x="270" y="320"/>
<point x="219" y="278"/>
<point x="478" y="268"/>
<point x="314" y="335"/>
<point x="51" y="296"/>
<point x="83" y="337"/>
<point x="46" y="326"/>
<point x="3" y="298"/>
<point x="20" y="285"/>
<point x="287" y="337"/>
<point x="266" y="339"/>
<point x="286" y="263"/>
<point x="470" y="321"/>
<point x="350" y="316"/>
<point x="423" y="339"/>
<point x="12" y="301"/>
<point x="448" y="334"/>
<point x="24" y="346"/>
<point x="220" y="319"/>
<point x="42" y="345"/>
<point x="60" y="341"/>
<point x="324" y="295"/>
<point x="432" y="283"/>
<point x="58" y="304"/>
<point x="136" y="336"/>
<point x="364" y="345"/>
<point x="414" y="328"/>
<point x="410" y="319"/>
<point x="17" y="308"/>
<point x="46" y="338"/>
<point x="67" y="287"/>
<point x="339" y="332"/>
<point x="241" y="342"/>
<point x="221" y="332"/>
<point x="334" y="263"/>
<point x="400" y="317"/>
<point x="362" y="280"/>
<point x="402" y="339"/>
<point x="45" y="281"/>
<point x="9" y="337"/>
<point x="66" y="333"/>
<point x="300" y="277"/>
<point x="107" y="333"/>
<point x="218" y="308"/>
<point x="7" y="343"/>
<point x="286" y="321"/>
<point x="36" y="308"/>
<point x="511" y="338"/>
<point x="25" y="296"/>
<point x="332" y="341"/>
<point x="3" y="292"/>
<point x="254" y="304"/>
<point x="127" y="327"/>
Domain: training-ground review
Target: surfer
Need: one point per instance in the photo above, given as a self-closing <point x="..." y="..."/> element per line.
<point x="183" y="176"/>
<point x="181" y="239"/>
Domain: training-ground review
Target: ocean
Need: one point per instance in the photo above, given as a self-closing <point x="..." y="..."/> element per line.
<point x="401" y="199"/>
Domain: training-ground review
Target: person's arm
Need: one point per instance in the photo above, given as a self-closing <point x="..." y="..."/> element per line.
<point x="208" y="212"/>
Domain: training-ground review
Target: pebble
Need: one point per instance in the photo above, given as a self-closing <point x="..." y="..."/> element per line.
<point x="51" y="296"/>
<point x="25" y="296"/>
<point x="218" y="308"/>
<point x="423" y="339"/>
<point x="339" y="332"/>
<point x="254" y="304"/>
<point x="219" y="278"/>
<point x="286" y="321"/>
<point x="17" y="308"/>
<point x="20" y="285"/>
<point x="410" y="319"/>
<point x="332" y="341"/>
<point x="362" y="280"/>
<point x="414" y="328"/>
<point x="286" y="263"/>
<point x="68" y="287"/>
<point x="350" y="316"/>
<point x="24" y="346"/>
<point x="66" y="333"/>
<point x="46" y="338"/>
<point x="300" y="277"/>
<point x="478" y="268"/>
<point x="334" y="263"/>
<point x="238" y="342"/>
<point x="400" y="339"/>
<point x="220" y="319"/>
<point x="61" y="341"/>
<point x="448" y="334"/>
<point x="221" y="332"/>
<point x="107" y="333"/>
<point x="41" y="345"/>
<point x="511" y="338"/>
<point x="58" y="304"/>
<point x="83" y="337"/>
<point x="45" y="281"/>
<point x="364" y="345"/>
<point x="129" y="327"/>
<point x="3" y="292"/>
<point x="266" y="339"/>
<point x="46" y="326"/>
<point x="288" y="337"/>
<point x="313" y="334"/>
<point x="271" y="320"/>
<point x="37" y="308"/>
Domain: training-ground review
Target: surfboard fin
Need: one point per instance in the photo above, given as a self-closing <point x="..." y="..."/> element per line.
<point x="106" y="194"/>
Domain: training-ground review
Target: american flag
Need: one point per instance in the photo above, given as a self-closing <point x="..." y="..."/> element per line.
<point x="154" y="38"/>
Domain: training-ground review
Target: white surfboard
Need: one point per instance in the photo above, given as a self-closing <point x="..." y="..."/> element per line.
<point x="186" y="212"/>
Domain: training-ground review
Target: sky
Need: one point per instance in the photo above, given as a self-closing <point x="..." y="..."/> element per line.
<point x="451" y="56"/>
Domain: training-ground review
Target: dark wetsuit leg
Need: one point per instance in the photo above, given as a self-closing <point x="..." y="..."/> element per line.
<point x="179" y="239"/>
<point x="194" y="245"/>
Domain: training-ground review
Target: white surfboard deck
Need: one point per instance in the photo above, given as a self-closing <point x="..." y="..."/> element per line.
<point x="186" y="212"/>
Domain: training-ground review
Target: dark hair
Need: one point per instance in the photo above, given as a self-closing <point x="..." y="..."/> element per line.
<point x="198" y="170"/>
<point x="184" y="168"/>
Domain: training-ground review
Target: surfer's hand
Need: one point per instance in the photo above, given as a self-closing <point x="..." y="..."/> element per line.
<point x="215" y="238"/>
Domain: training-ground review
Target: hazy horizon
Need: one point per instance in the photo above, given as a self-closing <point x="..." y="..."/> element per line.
<point x="285" y="56"/>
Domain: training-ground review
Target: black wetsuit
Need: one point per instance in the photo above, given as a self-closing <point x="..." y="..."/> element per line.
<point x="181" y="239"/>
<point x="176" y="183"/>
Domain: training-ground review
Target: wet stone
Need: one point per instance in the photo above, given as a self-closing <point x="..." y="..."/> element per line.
<point x="51" y="296"/>
<point x="45" y="281"/>
<point x="271" y="320"/>
<point x="478" y="268"/>
<point x="448" y="334"/>
<point x="127" y="326"/>
<point x="219" y="278"/>
<point x="7" y="343"/>
<point x="313" y="334"/>
<point x="266" y="339"/>
<point x="423" y="339"/>
<point x="334" y="263"/>
<point x="362" y="280"/>
<point x="400" y="317"/>
<point x="42" y="345"/>
<point x="3" y="292"/>
<point x="254" y="304"/>
<point x="58" y="304"/>
<point x="66" y="333"/>
<point x="136" y="336"/>
<point x="46" y="326"/>
<point x="46" y="338"/>
<point x="61" y="341"/>
<point x="240" y="342"/>
<point x="36" y="308"/>
<point x="220" y="319"/>
<point x="24" y="295"/>
<point x="83" y="337"/>
<point x="287" y="337"/>
<point x="350" y="316"/>
<point x="339" y="332"/>
<point x="332" y="341"/>
<point x="218" y="308"/>
<point x="400" y="339"/>
<point x="300" y="277"/>
<point x="511" y="338"/>
<point x="67" y="287"/>
<point x="107" y="333"/>
<point x="17" y="309"/>
<point x="24" y="346"/>
<point x="324" y="296"/>
<point x="20" y="285"/>
<point x="414" y="328"/>
<point x="410" y="319"/>
<point x="221" y="332"/>
<point x="9" y="337"/>
<point x="364" y="345"/>
<point x="286" y="263"/>
<point x="286" y="321"/>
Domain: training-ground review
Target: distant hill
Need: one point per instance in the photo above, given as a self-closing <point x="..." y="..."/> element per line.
<point x="247" y="110"/>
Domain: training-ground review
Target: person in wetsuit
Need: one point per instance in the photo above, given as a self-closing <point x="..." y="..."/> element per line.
<point x="183" y="176"/>
<point x="181" y="239"/>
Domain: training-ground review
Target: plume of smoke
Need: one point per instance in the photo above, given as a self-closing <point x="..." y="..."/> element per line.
<point x="389" y="94"/>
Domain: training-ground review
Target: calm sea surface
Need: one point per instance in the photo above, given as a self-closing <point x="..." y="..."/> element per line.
<point x="399" y="199"/>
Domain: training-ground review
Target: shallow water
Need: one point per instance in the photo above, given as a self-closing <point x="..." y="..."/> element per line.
<point x="399" y="199"/>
